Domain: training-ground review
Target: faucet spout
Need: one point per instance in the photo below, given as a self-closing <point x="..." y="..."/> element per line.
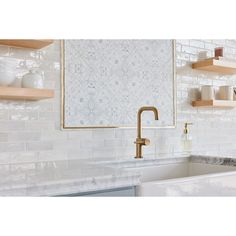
<point x="139" y="121"/>
<point x="139" y="140"/>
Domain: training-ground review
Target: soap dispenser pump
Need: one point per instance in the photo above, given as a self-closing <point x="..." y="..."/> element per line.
<point x="186" y="139"/>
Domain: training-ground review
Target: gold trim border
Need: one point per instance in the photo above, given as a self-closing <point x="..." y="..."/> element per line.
<point x="62" y="90"/>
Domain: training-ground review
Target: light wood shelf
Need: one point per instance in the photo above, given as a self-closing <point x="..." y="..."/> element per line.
<point x="27" y="43"/>
<point x="25" y="93"/>
<point x="214" y="65"/>
<point x="214" y="103"/>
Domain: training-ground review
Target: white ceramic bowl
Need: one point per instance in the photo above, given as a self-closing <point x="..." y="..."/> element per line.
<point x="8" y="68"/>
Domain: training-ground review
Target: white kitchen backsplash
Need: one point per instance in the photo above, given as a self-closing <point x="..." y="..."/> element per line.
<point x="30" y="131"/>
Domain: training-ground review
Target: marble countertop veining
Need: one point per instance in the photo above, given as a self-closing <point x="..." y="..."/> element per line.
<point x="61" y="177"/>
<point x="216" y="154"/>
<point x="51" y="178"/>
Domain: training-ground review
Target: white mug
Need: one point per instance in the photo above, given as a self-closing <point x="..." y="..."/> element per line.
<point x="207" y="92"/>
<point x="202" y="55"/>
<point x="226" y="93"/>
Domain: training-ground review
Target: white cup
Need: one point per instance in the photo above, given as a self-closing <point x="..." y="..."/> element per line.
<point x="207" y="92"/>
<point x="202" y="55"/>
<point x="226" y="93"/>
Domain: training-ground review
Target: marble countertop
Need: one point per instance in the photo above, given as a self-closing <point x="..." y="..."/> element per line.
<point x="78" y="176"/>
<point x="61" y="178"/>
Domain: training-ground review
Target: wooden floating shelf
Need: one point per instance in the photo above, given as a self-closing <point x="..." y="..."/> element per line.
<point x="26" y="43"/>
<point x="25" y="93"/>
<point x="214" y="103"/>
<point x="214" y="65"/>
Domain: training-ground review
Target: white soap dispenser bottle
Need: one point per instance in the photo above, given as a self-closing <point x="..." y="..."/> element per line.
<point x="186" y="139"/>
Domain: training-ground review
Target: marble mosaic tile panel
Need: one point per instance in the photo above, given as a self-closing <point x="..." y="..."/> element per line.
<point x="107" y="81"/>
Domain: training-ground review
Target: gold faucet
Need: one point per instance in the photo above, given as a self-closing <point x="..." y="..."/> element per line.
<point x="139" y="140"/>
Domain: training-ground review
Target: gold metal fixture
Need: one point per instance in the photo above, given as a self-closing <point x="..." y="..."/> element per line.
<point x="63" y="98"/>
<point x="139" y="140"/>
<point x="186" y="127"/>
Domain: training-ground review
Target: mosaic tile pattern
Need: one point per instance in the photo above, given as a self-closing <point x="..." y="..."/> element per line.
<point x="107" y="81"/>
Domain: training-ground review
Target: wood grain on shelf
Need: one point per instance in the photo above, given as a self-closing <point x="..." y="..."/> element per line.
<point x="218" y="66"/>
<point x="25" y="93"/>
<point x="27" y="43"/>
<point x="214" y="103"/>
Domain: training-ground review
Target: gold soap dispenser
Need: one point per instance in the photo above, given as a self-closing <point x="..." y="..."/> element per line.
<point x="186" y="139"/>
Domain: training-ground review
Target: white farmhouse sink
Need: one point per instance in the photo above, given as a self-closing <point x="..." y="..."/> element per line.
<point x="173" y="171"/>
<point x="188" y="178"/>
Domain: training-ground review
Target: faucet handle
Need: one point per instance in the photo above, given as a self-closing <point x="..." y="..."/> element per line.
<point x="142" y="141"/>
<point x="146" y="141"/>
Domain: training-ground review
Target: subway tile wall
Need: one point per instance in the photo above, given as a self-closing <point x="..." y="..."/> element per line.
<point x="30" y="131"/>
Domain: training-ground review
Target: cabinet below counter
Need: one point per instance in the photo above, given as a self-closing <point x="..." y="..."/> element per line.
<point x="118" y="192"/>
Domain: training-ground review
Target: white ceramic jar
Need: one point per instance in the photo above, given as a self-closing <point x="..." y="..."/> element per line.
<point x="226" y="92"/>
<point x="207" y="92"/>
<point x="32" y="80"/>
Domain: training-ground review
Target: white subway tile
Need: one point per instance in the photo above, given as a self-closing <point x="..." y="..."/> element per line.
<point x="197" y="43"/>
<point x="12" y="125"/>
<point x="52" y="155"/>
<point x="79" y="134"/>
<point x="113" y="143"/>
<point x="39" y="146"/>
<point x="23" y="115"/>
<point x="47" y="116"/>
<point x="103" y="133"/>
<point x="3" y="137"/>
<point x="30" y="130"/>
<point x="80" y="154"/>
<point x="23" y="136"/>
<point x="97" y="143"/>
<point x="12" y="147"/>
